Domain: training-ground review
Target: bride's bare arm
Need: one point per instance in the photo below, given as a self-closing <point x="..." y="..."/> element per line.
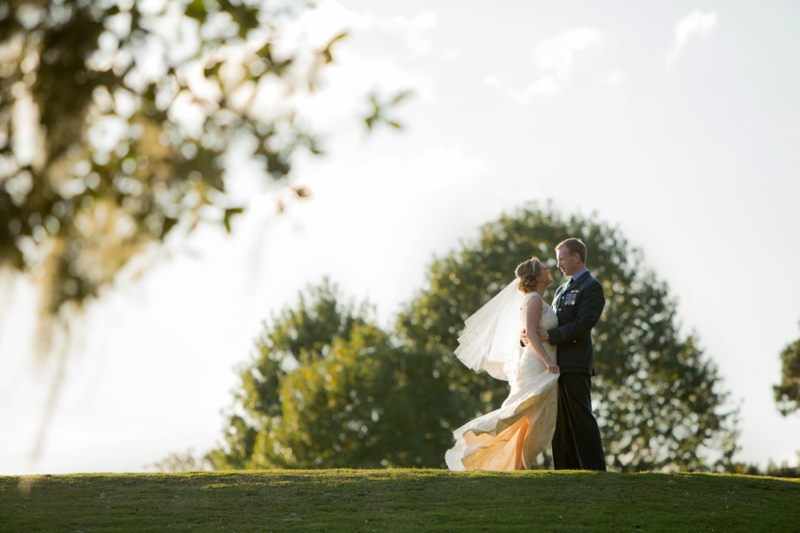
<point x="532" y="316"/>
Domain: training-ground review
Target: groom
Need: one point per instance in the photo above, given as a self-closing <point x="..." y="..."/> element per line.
<point x="578" y="304"/>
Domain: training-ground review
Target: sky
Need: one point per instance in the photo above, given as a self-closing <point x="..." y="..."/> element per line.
<point x="676" y="122"/>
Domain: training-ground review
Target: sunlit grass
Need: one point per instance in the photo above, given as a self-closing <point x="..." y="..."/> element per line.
<point x="398" y="500"/>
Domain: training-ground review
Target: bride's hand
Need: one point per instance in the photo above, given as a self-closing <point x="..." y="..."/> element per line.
<point x="552" y="367"/>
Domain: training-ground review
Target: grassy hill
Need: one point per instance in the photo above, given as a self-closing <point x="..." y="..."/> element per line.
<point x="398" y="500"/>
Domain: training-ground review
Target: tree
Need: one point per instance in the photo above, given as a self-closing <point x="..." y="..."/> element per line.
<point x="787" y="394"/>
<point x="117" y="120"/>
<point x="658" y="399"/>
<point x="327" y="388"/>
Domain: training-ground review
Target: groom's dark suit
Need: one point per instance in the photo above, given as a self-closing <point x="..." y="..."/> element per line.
<point x="576" y="442"/>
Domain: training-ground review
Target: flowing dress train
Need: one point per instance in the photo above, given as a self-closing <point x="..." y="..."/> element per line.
<point x="511" y="437"/>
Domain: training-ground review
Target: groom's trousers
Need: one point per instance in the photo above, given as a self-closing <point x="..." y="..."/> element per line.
<point x="576" y="441"/>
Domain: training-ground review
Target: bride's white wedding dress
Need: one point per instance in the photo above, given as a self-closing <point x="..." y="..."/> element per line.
<point x="511" y="437"/>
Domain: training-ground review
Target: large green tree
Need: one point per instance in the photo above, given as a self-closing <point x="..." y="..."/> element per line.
<point x="787" y="394"/>
<point x="658" y="399"/>
<point x="327" y="388"/>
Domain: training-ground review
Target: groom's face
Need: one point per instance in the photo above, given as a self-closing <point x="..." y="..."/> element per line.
<point x="567" y="261"/>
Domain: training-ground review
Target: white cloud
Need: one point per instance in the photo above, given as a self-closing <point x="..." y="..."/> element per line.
<point x="695" y="23"/>
<point x="492" y="81"/>
<point x="614" y="76"/>
<point x="451" y="52"/>
<point x="556" y="55"/>
<point x="554" y="59"/>
<point x="544" y="86"/>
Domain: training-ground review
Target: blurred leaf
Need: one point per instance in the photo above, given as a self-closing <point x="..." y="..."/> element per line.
<point x="168" y="224"/>
<point x="212" y="70"/>
<point x="402" y="95"/>
<point x="326" y="53"/>
<point x="196" y="9"/>
<point x="301" y="191"/>
<point x="380" y="108"/>
<point x="230" y="213"/>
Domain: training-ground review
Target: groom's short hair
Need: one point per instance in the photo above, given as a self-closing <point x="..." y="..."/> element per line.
<point x="575" y="246"/>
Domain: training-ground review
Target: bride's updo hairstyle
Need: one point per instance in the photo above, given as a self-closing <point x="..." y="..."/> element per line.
<point x="528" y="274"/>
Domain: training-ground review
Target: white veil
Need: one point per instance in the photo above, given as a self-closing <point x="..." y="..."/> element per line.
<point x="490" y="340"/>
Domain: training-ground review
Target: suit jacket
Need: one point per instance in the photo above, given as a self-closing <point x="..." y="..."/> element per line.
<point x="578" y="306"/>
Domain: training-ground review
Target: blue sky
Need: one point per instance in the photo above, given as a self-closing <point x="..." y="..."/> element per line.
<point x="675" y="121"/>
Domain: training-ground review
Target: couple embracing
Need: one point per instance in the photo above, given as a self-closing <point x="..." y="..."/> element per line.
<point x="549" y="366"/>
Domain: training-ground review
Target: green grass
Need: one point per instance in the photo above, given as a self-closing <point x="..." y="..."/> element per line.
<point x="398" y="500"/>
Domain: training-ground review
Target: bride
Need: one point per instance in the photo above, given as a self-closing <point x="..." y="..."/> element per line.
<point x="511" y="437"/>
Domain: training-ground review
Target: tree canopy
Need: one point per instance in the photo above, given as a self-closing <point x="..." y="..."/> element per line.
<point x="356" y="396"/>
<point x="116" y="118"/>
<point x="327" y="388"/>
<point x="787" y="394"/>
<point x="658" y="399"/>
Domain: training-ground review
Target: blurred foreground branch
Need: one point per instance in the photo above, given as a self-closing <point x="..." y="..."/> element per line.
<point x="117" y="120"/>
